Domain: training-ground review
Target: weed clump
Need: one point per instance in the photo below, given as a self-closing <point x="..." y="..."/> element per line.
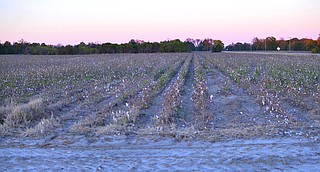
<point x="43" y="127"/>
<point x="17" y="117"/>
<point x="22" y="115"/>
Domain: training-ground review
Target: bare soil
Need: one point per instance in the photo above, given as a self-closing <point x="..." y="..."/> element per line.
<point x="236" y="155"/>
<point x="241" y="136"/>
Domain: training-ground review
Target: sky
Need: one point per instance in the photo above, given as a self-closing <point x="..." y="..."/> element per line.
<point x="119" y="21"/>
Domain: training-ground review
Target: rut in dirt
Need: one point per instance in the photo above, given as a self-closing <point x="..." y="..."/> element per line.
<point x="185" y="114"/>
<point x="71" y="112"/>
<point x="231" y="107"/>
<point x="146" y="116"/>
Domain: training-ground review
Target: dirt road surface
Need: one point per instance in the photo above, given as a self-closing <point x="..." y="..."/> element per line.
<point x="237" y="155"/>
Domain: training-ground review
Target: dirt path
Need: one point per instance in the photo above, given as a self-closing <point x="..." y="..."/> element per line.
<point x="156" y="104"/>
<point x="186" y="112"/>
<point x="248" y="155"/>
<point x="230" y="105"/>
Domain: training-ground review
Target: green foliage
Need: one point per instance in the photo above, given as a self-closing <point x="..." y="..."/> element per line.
<point x="159" y="73"/>
<point x="271" y="44"/>
<point x="316" y="49"/>
<point x="162" y="81"/>
<point x="217" y="46"/>
<point x="134" y="46"/>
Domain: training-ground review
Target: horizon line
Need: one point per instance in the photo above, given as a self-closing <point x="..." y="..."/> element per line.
<point x="148" y="41"/>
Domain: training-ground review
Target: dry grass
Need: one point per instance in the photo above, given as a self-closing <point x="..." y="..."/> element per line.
<point x="4" y="130"/>
<point x="87" y="124"/>
<point x="43" y="127"/>
<point x="122" y="122"/>
<point x="314" y="114"/>
<point x="128" y="117"/>
<point x="241" y="132"/>
<point x="193" y="133"/>
<point x="24" y="114"/>
<point x="3" y="112"/>
<point x="16" y="117"/>
<point x="161" y="130"/>
<point x="110" y="129"/>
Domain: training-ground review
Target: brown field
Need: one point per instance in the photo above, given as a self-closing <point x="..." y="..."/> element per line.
<point x="98" y="100"/>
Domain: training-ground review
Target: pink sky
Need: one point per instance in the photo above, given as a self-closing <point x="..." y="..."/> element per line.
<point x="73" y="21"/>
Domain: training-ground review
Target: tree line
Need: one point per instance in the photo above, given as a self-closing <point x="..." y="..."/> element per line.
<point x="133" y="46"/>
<point x="271" y="44"/>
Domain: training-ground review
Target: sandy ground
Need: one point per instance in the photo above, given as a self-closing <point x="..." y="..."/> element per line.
<point x="236" y="155"/>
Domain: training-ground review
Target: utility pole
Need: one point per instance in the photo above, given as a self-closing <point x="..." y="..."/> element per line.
<point x="265" y="44"/>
